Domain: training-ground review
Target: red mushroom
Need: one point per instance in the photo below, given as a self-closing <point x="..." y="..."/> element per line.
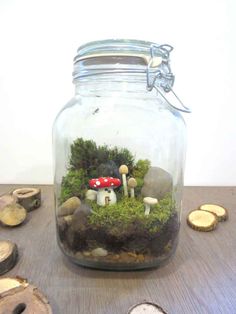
<point x="105" y="186"/>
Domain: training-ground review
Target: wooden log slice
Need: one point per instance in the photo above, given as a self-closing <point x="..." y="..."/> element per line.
<point x="219" y="211"/>
<point x="17" y="296"/>
<point x="29" y="198"/>
<point x="11" y="283"/>
<point x="202" y="220"/>
<point x="13" y="215"/>
<point x="146" y="308"/>
<point x="6" y="200"/>
<point x="8" y="256"/>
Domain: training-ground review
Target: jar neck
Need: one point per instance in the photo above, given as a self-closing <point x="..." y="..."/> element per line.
<point x="105" y="85"/>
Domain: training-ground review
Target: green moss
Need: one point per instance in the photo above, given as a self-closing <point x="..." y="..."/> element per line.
<point x="83" y="154"/>
<point x="88" y="156"/>
<point x="130" y="211"/>
<point x="74" y="184"/>
<point x="141" y="168"/>
<point x="139" y="171"/>
<point x="121" y="157"/>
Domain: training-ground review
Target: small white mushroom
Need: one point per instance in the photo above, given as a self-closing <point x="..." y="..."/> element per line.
<point x="123" y="170"/>
<point x="91" y="195"/>
<point x="148" y="201"/>
<point x="132" y="183"/>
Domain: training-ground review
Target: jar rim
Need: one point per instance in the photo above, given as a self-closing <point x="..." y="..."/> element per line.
<point x="101" y="47"/>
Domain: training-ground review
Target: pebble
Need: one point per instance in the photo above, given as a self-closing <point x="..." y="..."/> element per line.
<point x="91" y="195"/>
<point x="140" y="258"/>
<point x="86" y="253"/>
<point x="68" y="218"/>
<point x="132" y="254"/>
<point x="69" y="206"/>
<point x="116" y="256"/>
<point x="99" y="252"/>
<point x="78" y="255"/>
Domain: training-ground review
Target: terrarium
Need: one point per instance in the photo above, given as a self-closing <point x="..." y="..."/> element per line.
<point x="119" y="150"/>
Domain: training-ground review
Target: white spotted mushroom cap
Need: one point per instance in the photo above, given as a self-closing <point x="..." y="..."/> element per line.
<point x="150" y="200"/>
<point x="104" y="182"/>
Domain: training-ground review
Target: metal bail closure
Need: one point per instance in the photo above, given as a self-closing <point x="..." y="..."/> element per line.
<point x="163" y="77"/>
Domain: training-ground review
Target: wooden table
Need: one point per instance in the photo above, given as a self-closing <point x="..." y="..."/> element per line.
<point x="201" y="278"/>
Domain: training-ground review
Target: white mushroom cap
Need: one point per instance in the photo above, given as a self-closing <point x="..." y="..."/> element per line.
<point x="150" y="200"/>
<point x="132" y="183"/>
<point x="123" y="169"/>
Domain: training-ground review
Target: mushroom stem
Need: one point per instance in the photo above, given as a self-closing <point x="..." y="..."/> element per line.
<point x="147" y="209"/>
<point x="125" y="184"/>
<point x="132" y="183"/>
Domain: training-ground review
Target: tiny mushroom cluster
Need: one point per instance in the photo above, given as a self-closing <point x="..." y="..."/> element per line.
<point x="132" y="183"/>
<point x="105" y="186"/>
<point x="105" y="195"/>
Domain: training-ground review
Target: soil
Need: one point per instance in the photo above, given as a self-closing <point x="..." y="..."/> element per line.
<point x="131" y="246"/>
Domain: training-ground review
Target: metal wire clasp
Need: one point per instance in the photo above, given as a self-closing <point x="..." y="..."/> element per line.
<point x="160" y="77"/>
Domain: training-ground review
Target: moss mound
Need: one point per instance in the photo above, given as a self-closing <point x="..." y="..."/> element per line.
<point x="130" y="211"/>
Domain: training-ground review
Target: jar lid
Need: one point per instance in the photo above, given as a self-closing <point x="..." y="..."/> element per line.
<point x="127" y="51"/>
<point x="123" y="56"/>
<point x="127" y="56"/>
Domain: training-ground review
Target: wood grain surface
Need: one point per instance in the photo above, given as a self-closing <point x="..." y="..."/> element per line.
<point x="201" y="278"/>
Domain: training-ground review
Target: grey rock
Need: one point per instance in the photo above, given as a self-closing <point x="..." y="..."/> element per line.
<point x="108" y="169"/>
<point x="157" y="183"/>
<point x="76" y="236"/>
<point x="80" y="217"/>
<point x="84" y="208"/>
<point x="99" y="252"/>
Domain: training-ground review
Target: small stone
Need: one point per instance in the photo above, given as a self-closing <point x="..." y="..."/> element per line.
<point x="68" y="219"/>
<point x="132" y="254"/>
<point x="168" y="247"/>
<point x="86" y="253"/>
<point x="78" y="255"/>
<point x="157" y="183"/>
<point x="99" y="252"/>
<point x="91" y="195"/>
<point x="62" y="224"/>
<point x="140" y="258"/>
<point x="69" y="206"/>
<point x="126" y="258"/>
<point x="116" y="256"/>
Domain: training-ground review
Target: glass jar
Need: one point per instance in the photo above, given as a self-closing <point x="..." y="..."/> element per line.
<point x="119" y="150"/>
